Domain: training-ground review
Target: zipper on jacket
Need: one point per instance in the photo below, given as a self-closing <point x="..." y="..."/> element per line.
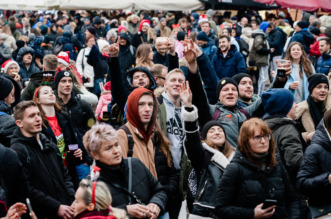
<point x="204" y="186"/>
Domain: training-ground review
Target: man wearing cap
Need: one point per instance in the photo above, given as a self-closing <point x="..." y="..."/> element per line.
<point x="207" y="45"/>
<point x="101" y="31"/>
<point x="303" y="36"/>
<point x="324" y="62"/>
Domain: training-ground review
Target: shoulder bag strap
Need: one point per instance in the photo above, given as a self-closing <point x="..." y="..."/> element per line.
<point x="130" y="178"/>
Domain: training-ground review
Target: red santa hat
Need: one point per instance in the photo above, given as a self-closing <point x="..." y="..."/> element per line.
<point x="5" y="66"/>
<point x="63" y="57"/>
<point x="203" y="18"/>
<point x="144" y="22"/>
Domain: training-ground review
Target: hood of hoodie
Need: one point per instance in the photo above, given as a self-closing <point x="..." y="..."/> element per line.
<point x="127" y="37"/>
<point x="322" y="137"/>
<point x="130" y="73"/>
<point x="258" y="32"/>
<point x="22" y="52"/>
<point x="4" y="107"/>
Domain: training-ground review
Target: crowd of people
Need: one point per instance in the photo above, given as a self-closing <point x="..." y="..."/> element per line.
<point x="126" y="115"/>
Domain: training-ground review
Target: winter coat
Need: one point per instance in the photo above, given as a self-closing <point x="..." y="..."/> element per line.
<point x="133" y="28"/>
<point x="126" y="56"/>
<point x="314" y="49"/>
<point x="275" y="40"/>
<point x="303" y="114"/>
<point x="70" y="44"/>
<point x="313" y="175"/>
<point x="324" y="64"/>
<point x="144" y="185"/>
<point x="24" y="72"/>
<point x="13" y="179"/>
<point x="292" y="78"/>
<point x="8" y="41"/>
<point x="208" y="163"/>
<point x="5" y="52"/>
<point x="99" y="63"/>
<point x="101" y="32"/>
<point x="170" y="61"/>
<point x="164" y="31"/>
<point x="230" y="65"/>
<point x="83" y="67"/>
<point x="244" y="186"/>
<point x="260" y="50"/>
<point x="288" y="142"/>
<point x="102" y="106"/>
<point x="7" y="124"/>
<point x="303" y="37"/>
<point x="48" y="180"/>
<point x="209" y="49"/>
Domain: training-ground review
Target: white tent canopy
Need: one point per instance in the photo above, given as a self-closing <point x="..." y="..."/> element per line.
<point x="28" y="4"/>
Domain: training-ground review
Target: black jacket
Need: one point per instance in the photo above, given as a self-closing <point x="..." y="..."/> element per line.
<point x="48" y="180"/>
<point x="276" y="41"/>
<point x="99" y="62"/>
<point x="313" y="175"/>
<point x="170" y="61"/>
<point x="244" y="186"/>
<point x="126" y="55"/>
<point x="144" y="185"/>
<point x="7" y="124"/>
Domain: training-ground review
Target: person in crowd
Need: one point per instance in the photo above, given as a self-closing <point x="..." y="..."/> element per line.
<point x="85" y="26"/>
<point x="104" y="100"/>
<point x="85" y="69"/>
<point x="53" y="33"/>
<point x="160" y="73"/>
<point x="162" y="29"/>
<point x="313" y="178"/>
<point x="301" y="68"/>
<point x="205" y="27"/>
<point x="181" y="36"/>
<point x="276" y="43"/>
<point x="145" y="56"/>
<point x="184" y="26"/>
<point x="11" y="68"/>
<point x="145" y="34"/>
<point x="280" y="108"/>
<point x="70" y="43"/>
<point x="58" y="128"/>
<point x="111" y="36"/>
<point x="310" y="112"/>
<point x="9" y="41"/>
<point x="209" y="158"/>
<point x="302" y="36"/>
<point x="254" y="175"/>
<point x="324" y="62"/>
<point x="126" y="54"/>
<point x="25" y="58"/>
<point x="245" y="89"/>
<point x="314" y="51"/>
<point x="5" y="52"/>
<point x="210" y="14"/>
<point x="171" y="20"/>
<point x="227" y="32"/>
<point x="260" y="57"/>
<point x="50" y="188"/>
<point x="165" y="53"/>
<point x="228" y="61"/>
<point x="133" y="23"/>
<point x="242" y="24"/>
<point x="95" y="200"/>
<point x="149" y="198"/>
<point x="19" y="43"/>
<point x="101" y="31"/>
<point x="207" y="45"/>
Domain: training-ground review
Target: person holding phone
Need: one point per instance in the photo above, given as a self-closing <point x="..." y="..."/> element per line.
<point x="255" y="184"/>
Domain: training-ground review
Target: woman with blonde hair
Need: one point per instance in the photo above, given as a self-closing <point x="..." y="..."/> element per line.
<point x="144" y="56"/>
<point x="255" y="184"/>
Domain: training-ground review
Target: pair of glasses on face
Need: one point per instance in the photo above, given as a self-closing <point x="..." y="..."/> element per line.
<point x="259" y="138"/>
<point x="161" y="77"/>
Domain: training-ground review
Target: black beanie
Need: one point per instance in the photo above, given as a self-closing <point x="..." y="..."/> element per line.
<point x="315" y="31"/>
<point x="59" y="76"/>
<point x="92" y="30"/>
<point x="181" y="36"/>
<point x="202" y="36"/>
<point x="6" y="87"/>
<point x="207" y="126"/>
<point x="315" y="80"/>
<point x="303" y="24"/>
<point x="237" y="78"/>
<point x="224" y="82"/>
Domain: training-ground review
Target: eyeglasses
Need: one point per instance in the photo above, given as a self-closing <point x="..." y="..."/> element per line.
<point x="258" y="138"/>
<point x="161" y="77"/>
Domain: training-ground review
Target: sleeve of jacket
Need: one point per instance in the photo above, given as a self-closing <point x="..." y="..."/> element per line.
<point x="227" y="194"/>
<point x="241" y="65"/>
<point x="172" y="184"/>
<point x="119" y="90"/>
<point x="36" y="196"/>
<point x="94" y="56"/>
<point x="173" y="62"/>
<point x="27" y="92"/>
<point x="207" y="72"/>
<point x="314" y="49"/>
<point x="79" y="62"/>
<point x="309" y="178"/>
<point x="99" y="106"/>
<point x="256" y="106"/>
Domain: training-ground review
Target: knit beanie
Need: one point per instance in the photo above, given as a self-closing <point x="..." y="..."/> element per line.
<point x="202" y="36"/>
<point x="63" y="57"/>
<point x="6" y="87"/>
<point x="59" y="76"/>
<point x="7" y="64"/>
<point x="97" y="20"/>
<point x="303" y="24"/>
<point x="102" y="44"/>
<point x="207" y="126"/>
<point x="277" y="101"/>
<point x="92" y="30"/>
<point x="181" y="35"/>
<point x="315" y="80"/>
<point x="224" y="82"/>
<point x="237" y="78"/>
<point x="315" y="31"/>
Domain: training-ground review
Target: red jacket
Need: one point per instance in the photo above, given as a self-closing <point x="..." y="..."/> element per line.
<point x="314" y="49"/>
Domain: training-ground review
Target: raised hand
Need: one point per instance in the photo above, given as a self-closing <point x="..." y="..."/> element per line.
<point x="186" y="94"/>
<point x="114" y="48"/>
<point x="189" y="51"/>
<point x="171" y="46"/>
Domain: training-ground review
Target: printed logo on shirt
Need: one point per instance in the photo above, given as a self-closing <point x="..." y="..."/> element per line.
<point x="227" y="118"/>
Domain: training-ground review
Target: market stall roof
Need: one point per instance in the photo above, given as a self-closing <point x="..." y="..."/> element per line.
<point x="306" y="5"/>
<point x="236" y="4"/>
<point x="28" y="4"/>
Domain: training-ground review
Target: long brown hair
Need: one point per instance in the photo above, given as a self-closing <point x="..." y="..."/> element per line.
<point x="142" y="59"/>
<point x="42" y="113"/>
<point x="247" y="131"/>
<point x="304" y="61"/>
<point x="163" y="141"/>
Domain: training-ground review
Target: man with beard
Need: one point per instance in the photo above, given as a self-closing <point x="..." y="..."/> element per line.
<point x="228" y="61"/>
<point x="324" y="62"/>
<point x="245" y="88"/>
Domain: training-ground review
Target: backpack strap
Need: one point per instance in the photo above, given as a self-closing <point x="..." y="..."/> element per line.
<point x="216" y="114"/>
<point x="245" y="112"/>
<point x="130" y="139"/>
<point x="130" y="178"/>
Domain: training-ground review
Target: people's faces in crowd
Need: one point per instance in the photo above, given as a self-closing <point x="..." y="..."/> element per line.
<point x="292" y="113"/>
<point x="134" y="20"/>
<point x="161" y="45"/>
<point x="12" y="70"/>
<point x="224" y="44"/>
<point x="320" y="92"/>
<point x="259" y="143"/>
<point x="46" y="96"/>
<point x="145" y="109"/>
<point x="123" y="42"/>
<point x="296" y="52"/>
<point x="79" y="204"/>
<point x="62" y="66"/>
<point x="65" y="86"/>
<point x="97" y="26"/>
<point x="245" y="88"/>
<point x="233" y="32"/>
<point x="324" y="47"/>
<point x="297" y="28"/>
<point x="86" y="22"/>
<point x="183" y="25"/>
<point x="105" y="50"/>
<point x="163" y="22"/>
<point x="215" y="136"/>
<point x="140" y="79"/>
<point x="254" y="26"/>
<point x="173" y="82"/>
<point x="27" y="59"/>
<point x="244" y="21"/>
<point x="30" y="125"/>
<point x="10" y="99"/>
<point x="90" y="42"/>
<point x="226" y="32"/>
<point x="110" y="152"/>
<point x="229" y="95"/>
<point x="54" y="28"/>
<point x="160" y="80"/>
<point x="144" y="28"/>
<point x="205" y="27"/>
<point x="112" y="39"/>
<point x="151" y="55"/>
<point x="88" y="34"/>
